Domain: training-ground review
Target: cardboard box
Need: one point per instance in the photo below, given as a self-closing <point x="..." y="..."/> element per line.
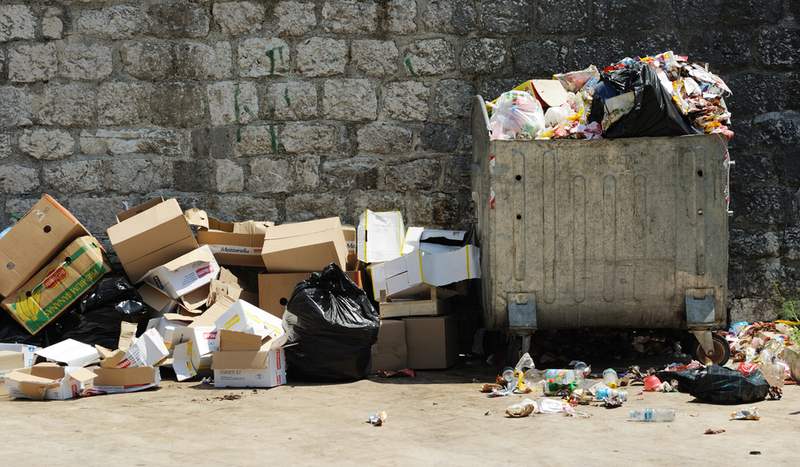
<point x="549" y="92"/>
<point x="233" y="243"/>
<point x="173" y="329"/>
<point x="185" y="273"/>
<point x="9" y="360"/>
<point x="380" y="236"/>
<point x="432" y="342"/>
<point x="28" y="351"/>
<point x="433" y="241"/>
<point x="245" y="317"/>
<point x="204" y="343"/>
<point x="59" y="284"/>
<point x="33" y="241"/>
<point x="157" y="300"/>
<point x="118" y="380"/>
<point x="352" y="247"/>
<point x="146" y="350"/>
<point x="150" y="235"/>
<point x="414" y="274"/>
<point x="434" y="306"/>
<point x="305" y="246"/>
<point x="70" y="352"/>
<point x="182" y="361"/>
<point x="48" y="381"/>
<point x="264" y="368"/>
<point x="274" y="290"/>
<point x="237" y="341"/>
<point x="390" y="352"/>
<point x="209" y="317"/>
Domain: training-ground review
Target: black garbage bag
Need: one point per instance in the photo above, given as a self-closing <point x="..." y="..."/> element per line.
<point x="11" y="332"/>
<point x="653" y="112"/>
<point x="720" y="385"/>
<point x="100" y="311"/>
<point x="332" y="325"/>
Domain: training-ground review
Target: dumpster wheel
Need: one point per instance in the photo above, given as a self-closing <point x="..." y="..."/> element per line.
<point x="720" y="355"/>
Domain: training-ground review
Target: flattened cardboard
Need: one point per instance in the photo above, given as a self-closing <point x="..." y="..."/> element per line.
<point x="119" y="380"/>
<point x="184" y="274"/>
<point x="59" y="284"/>
<point x="209" y="317"/>
<point x="390" y="352"/>
<point x="233" y="243"/>
<point x="70" y="352"/>
<point x="380" y="236"/>
<point x="150" y="235"/>
<point x="274" y="290"/>
<point x="48" y="381"/>
<point x="305" y="246"/>
<point x="157" y="300"/>
<point x="32" y="242"/>
<point x="432" y="342"/>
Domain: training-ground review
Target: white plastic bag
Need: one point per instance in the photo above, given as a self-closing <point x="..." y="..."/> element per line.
<point x="516" y="115"/>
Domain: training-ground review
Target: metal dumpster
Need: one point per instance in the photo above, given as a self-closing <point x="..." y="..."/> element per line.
<point x="602" y="233"/>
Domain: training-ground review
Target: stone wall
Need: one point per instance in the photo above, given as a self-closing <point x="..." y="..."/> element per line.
<point x="293" y="110"/>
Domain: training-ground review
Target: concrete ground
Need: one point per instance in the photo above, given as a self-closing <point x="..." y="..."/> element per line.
<point x="436" y="418"/>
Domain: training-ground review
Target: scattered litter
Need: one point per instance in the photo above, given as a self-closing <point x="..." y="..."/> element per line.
<point x="714" y="432"/>
<point x="377" y="418"/>
<point x="746" y="414"/>
<point x="403" y="372"/>
<point x="523" y="409"/>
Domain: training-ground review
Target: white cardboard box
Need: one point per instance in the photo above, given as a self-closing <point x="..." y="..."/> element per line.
<point x="48" y="381"/>
<point x="433" y="241"/>
<point x="185" y="273"/>
<point x="380" y="236"/>
<point x="70" y="352"/>
<point x="263" y="368"/>
<point x="245" y="317"/>
<point x="204" y="343"/>
<point x="119" y="380"/>
<point x="182" y="361"/>
<point x="146" y="350"/>
<point x="27" y="350"/>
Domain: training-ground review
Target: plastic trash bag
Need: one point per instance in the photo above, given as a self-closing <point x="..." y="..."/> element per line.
<point x="720" y="385"/>
<point x="331" y="326"/>
<point x="652" y="112"/>
<point x="101" y="310"/>
<point x="11" y="332"/>
<point x="516" y="115"/>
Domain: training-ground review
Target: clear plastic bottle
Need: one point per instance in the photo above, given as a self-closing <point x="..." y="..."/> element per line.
<point x="611" y="379"/>
<point x="654" y="415"/>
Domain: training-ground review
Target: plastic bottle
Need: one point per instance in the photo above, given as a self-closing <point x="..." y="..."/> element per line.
<point x="556" y="380"/>
<point x="654" y="415"/>
<point x="602" y="393"/>
<point x="611" y="379"/>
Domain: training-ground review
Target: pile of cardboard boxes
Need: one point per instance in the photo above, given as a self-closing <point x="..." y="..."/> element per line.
<point x="204" y="319"/>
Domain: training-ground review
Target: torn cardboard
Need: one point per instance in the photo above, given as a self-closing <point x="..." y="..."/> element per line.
<point x="155" y="299"/>
<point x="182" y="362"/>
<point x="120" y="380"/>
<point x="233" y="243"/>
<point x="146" y="350"/>
<point x="184" y="274"/>
<point x="48" y="381"/>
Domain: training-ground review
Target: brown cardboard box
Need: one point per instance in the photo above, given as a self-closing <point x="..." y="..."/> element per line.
<point x="432" y="342"/>
<point x="117" y="380"/>
<point x="238" y="341"/>
<point x="150" y="235"/>
<point x="390" y="352"/>
<point x="9" y="360"/>
<point x="233" y="243"/>
<point x="59" y="284"/>
<point x="352" y="253"/>
<point x="305" y="246"/>
<point x="33" y="241"/>
<point x="274" y="290"/>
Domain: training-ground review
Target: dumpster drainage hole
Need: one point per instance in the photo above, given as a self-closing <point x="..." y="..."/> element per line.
<point x="699" y="173"/>
<point x="519" y="216"/>
<point x="518" y="177"/>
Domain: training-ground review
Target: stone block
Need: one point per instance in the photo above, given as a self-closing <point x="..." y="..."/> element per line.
<point x="375" y="58"/>
<point x="229" y="176"/>
<point x="384" y="138"/>
<point x="538" y="59"/>
<point x="236" y="18"/>
<point x="46" y="145"/>
<point x="787" y="163"/>
<point x="75" y="177"/>
<point x="751" y="12"/>
<point x="400" y="15"/>
<point x="622" y="15"/>
<point x="82" y="62"/>
<point x="235" y="208"/>
<point x="67" y="105"/>
<point x="179" y="104"/>
<point x="482" y="56"/>
<point x="142" y="141"/>
<point x="291" y="101"/>
<point x="654" y="44"/>
<point x="406" y="101"/>
<point x="439" y="138"/>
<point x="351" y="17"/>
<point x="728" y="51"/>
<point x="454" y="99"/>
<point x="301" y="138"/>
<point x="230" y="102"/>
<point x="751" y="168"/>
<point x="376" y="202"/>
<point x="752" y="310"/>
<point x="214" y="142"/>
<point x="307" y="172"/>
<point x="53" y="23"/>
<point x="5" y="145"/>
<point x="779" y="48"/>
<point x="294" y="18"/>
<point x="17" y="22"/>
<point x="414" y="177"/>
<point x="429" y="57"/>
<point x="127" y="176"/>
<point x="507" y="16"/>
<point x="16" y="107"/>
<point x="596" y="50"/>
<point x="28" y="63"/>
<point x="768" y="205"/>
<point x="307" y="207"/>
<point x="450" y="16"/>
<point x="560" y="17"/>
<point x="116" y="22"/>
<point x="349" y="99"/>
<point x="438" y="210"/>
<point x="263" y="57"/>
<point x="193" y="175"/>
<point x="177" y="21"/>
<point x="748" y="244"/>
<point x="256" y="140"/>
<point x="98" y="214"/>
<point x="122" y="103"/>
<point x="347" y="175"/>
<point x="791" y="243"/>
<point x="195" y="60"/>
<point x="777" y="128"/>
<point x="317" y="57"/>
<point x="270" y="175"/>
<point x="146" y="61"/>
<point x="16" y="179"/>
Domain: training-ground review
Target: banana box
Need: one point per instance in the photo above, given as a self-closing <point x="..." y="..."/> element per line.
<point x="54" y="288"/>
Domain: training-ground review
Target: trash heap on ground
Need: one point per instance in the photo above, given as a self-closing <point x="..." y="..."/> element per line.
<point x="662" y="95"/>
<point x="179" y="304"/>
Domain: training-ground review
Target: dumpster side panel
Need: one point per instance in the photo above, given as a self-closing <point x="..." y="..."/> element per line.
<point x="603" y="233"/>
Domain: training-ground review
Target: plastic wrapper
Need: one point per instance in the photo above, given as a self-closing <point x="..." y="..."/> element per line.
<point x="101" y="310"/>
<point x="331" y="327"/>
<point x="523" y="409"/>
<point x="516" y="115"/>
<point x="746" y="414"/>
<point x="574" y="81"/>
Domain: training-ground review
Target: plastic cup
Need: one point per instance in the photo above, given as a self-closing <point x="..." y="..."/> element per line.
<point x="651" y="383"/>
